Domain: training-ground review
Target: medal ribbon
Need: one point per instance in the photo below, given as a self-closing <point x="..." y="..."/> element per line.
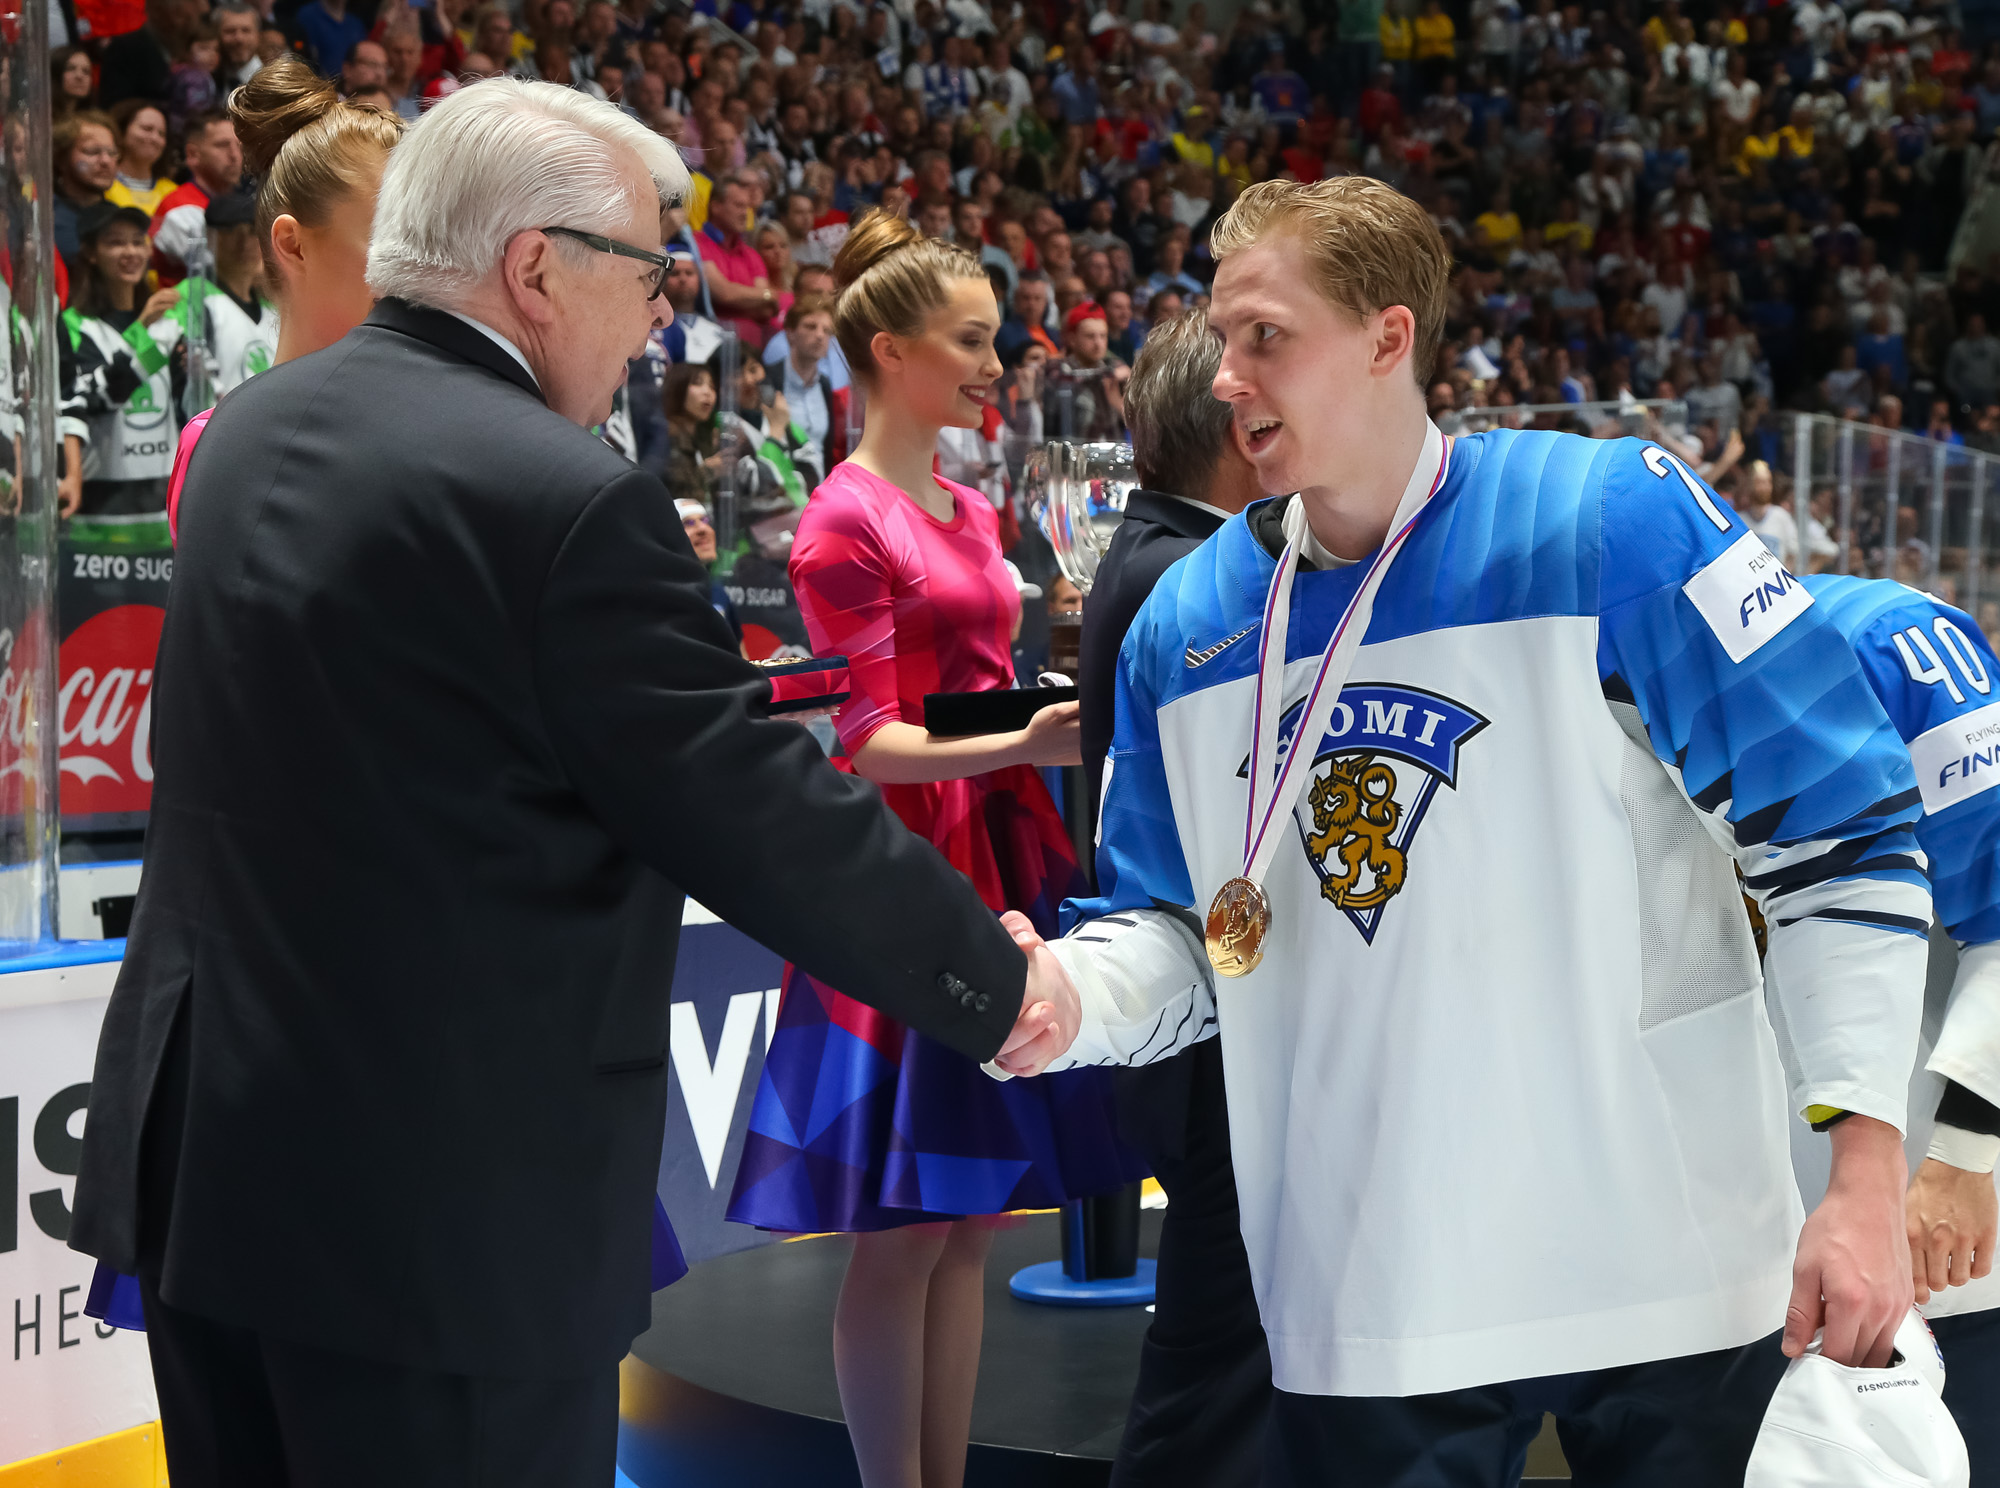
<point x="1260" y="842"/>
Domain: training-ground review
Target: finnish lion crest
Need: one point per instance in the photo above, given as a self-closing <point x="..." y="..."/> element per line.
<point x="1355" y="811"/>
<point x="1376" y="773"/>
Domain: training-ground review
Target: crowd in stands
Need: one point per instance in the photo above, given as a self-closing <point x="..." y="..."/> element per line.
<point x="1739" y="208"/>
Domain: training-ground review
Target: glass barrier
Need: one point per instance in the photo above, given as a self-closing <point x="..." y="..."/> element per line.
<point x="28" y="494"/>
<point x="1885" y="503"/>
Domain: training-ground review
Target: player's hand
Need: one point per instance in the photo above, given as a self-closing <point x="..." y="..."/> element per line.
<point x="1054" y="736"/>
<point x="1051" y="1012"/>
<point x="1852" y="1274"/>
<point x="1952" y="1216"/>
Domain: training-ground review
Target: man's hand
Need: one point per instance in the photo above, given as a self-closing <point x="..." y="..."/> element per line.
<point x="1050" y="1010"/>
<point x="1952" y="1217"/>
<point x="1852" y="1275"/>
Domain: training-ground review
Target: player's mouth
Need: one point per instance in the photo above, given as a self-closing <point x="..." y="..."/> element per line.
<point x="980" y="393"/>
<point x="1259" y="434"/>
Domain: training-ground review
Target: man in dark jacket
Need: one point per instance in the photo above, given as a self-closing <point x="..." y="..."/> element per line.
<point x="446" y="728"/>
<point x="1204" y="1373"/>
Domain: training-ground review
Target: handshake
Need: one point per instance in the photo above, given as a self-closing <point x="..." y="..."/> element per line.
<point x="1051" y="1012"/>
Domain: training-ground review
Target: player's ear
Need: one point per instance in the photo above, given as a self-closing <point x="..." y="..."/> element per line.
<point x="1395" y="337"/>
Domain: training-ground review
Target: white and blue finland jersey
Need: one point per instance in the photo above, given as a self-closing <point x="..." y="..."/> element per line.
<point x="1503" y="1094"/>
<point x="1934" y="672"/>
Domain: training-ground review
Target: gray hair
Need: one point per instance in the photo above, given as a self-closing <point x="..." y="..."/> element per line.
<point x="501" y="157"/>
<point x="1178" y="424"/>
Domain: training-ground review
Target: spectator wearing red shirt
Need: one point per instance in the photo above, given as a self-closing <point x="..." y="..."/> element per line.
<point x="180" y="223"/>
<point x="1379" y="104"/>
<point x="737" y="278"/>
<point x="1950" y="61"/>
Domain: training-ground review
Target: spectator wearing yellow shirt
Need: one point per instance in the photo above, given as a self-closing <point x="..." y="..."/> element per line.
<point x="1399" y="43"/>
<point x="1567" y="226"/>
<point x="1925" y="91"/>
<point x="700" y="188"/>
<point x="1761" y="143"/>
<point x="1435" y="43"/>
<point x="1797" y="136"/>
<point x="1659" y="31"/>
<point x="142" y="140"/>
<point x="1191" y="141"/>
<point x="1498" y="228"/>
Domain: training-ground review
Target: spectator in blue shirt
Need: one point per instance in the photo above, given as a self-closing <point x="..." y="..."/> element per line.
<point x="1282" y="91"/>
<point x="1170" y="274"/>
<point x="1986" y="99"/>
<point x="1076" y="89"/>
<point x="330" y="32"/>
<point x="1881" y="347"/>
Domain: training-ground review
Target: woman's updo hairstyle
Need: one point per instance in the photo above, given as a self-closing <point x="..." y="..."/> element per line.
<point x="890" y="277"/>
<point x="308" y="147"/>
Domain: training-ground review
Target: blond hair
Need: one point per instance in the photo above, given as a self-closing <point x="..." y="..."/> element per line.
<point x="1369" y="245"/>
<point x="310" y="148"/>
<point x="892" y="278"/>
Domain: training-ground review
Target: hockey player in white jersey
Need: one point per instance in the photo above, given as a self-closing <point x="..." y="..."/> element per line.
<point x="230" y="319"/>
<point x="1509" y="1117"/>
<point x="1934" y="673"/>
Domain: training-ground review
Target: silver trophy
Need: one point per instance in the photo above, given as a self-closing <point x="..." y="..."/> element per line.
<point x="1076" y="495"/>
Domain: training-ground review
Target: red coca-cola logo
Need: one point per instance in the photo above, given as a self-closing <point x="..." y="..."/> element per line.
<point x="106" y="711"/>
<point x="16" y="712"/>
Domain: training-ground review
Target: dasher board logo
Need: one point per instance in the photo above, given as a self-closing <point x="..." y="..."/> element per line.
<point x="1376" y="770"/>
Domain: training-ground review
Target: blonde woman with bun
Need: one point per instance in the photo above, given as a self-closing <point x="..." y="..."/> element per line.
<point x="900" y="571"/>
<point x="320" y="161"/>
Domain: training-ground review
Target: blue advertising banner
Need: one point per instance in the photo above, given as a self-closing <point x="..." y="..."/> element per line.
<point x="725" y="1004"/>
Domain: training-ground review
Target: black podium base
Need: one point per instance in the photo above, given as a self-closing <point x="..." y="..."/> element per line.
<point x="733" y="1384"/>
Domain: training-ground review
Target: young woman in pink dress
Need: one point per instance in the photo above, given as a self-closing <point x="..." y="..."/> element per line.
<point x="860" y="1125"/>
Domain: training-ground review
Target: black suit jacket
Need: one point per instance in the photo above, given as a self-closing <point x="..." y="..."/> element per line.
<point x="445" y="724"/>
<point x="1154" y="1101"/>
<point x="1158" y="531"/>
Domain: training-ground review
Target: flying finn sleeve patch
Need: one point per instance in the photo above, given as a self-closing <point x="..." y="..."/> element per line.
<point x="1746" y="596"/>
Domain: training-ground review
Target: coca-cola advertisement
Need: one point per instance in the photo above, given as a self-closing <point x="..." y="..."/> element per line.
<point x="20" y="640"/>
<point x="111" y="603"/>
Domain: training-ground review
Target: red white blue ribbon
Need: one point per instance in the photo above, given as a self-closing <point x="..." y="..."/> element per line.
<point x="1270" y="804"/>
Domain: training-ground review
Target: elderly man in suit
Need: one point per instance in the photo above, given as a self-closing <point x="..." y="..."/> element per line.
<point x="446" y="727"/>
<point x="1204" y="1373"/>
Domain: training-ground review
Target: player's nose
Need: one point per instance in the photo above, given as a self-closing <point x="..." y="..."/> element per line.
<point x="1230" y="384"/>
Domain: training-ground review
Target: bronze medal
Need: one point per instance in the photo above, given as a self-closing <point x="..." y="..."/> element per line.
<point x="1239" y="918"/>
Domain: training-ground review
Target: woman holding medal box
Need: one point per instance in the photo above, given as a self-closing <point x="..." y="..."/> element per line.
<point x="900" y="570"/>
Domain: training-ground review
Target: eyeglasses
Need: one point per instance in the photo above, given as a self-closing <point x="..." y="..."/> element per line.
<point x="659" y="261"/>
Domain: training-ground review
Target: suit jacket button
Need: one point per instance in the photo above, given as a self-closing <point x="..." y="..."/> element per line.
<point x="965" y="998"/>
<point x="979" y="1003"/>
